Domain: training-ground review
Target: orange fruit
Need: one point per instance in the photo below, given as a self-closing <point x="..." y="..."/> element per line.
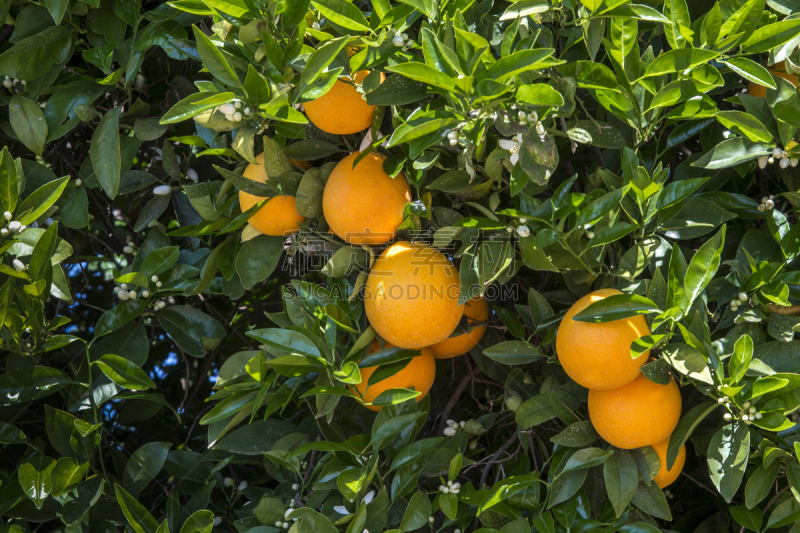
<point x="411" y="295"/>
<point x="342" y="110"/>
<point x="363" y="205"/>
<point x="641" y="413"/>
<point x="305" y="165"/>
<point x="598" y="356"/>
<point x="279" y="215"/>
<point x="417" y="375"/>
<point x="666" y="477"/>
<point x="779" y="69"/>
<point x="477" y="310"/>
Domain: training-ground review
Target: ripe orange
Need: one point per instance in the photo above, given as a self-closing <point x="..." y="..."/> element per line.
<point x="342" y="110"/>
<point x="279" y="215"/>
<point x="478" y="311"/>
<point x="779" y="69"/>
<point x="411" y="295"/>
<point x="417" y="375"/>
<point x="598" y="356"/>
<point x="363" y="205"/>
<point x="641" y="413"/>
<point x="666" y="477"/>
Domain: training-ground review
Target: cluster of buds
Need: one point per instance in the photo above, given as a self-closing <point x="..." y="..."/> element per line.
<point x="154" y="279"/>
<point x="282" y="525"/>
<point x="532" y="118"/>
<point x="234" y="112"/>
<point x="747" y="414"/>
<point x="740" y="300"/>
<point x="451" y="487"/>
<point x="767" y="203"/>
<point x="14" y="226"/>
<point x="781" y="156"/>
<point x="452" y="427"/>
<point x="401" y="40"/>
<point x="124" y="292"/>
<point x="452" y="137"/>
<point x="11" y="84"/>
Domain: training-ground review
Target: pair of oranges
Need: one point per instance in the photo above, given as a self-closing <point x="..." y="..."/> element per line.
<point x="626" y="409"/>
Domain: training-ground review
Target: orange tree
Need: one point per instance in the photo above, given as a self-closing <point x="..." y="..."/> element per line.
<point x="310" y="265"/>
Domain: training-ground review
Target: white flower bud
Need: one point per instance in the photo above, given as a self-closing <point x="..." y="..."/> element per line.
<point x="398" y="40"/>
<point x="720" y="400"/>
<point x="22" y="228"/>
<point x="784" y="163"/>
<point x="145" y="294"/>
<point x="14" y="226"/>
<point x="127" y="250"/>
<point x="7" y="84"/>
<point x="462" y="424"/>
<point x="430" y="519"/>
<point x="539" y="128"/>
<point x="453" y="142"/>
<point x="777" y="153"/>
<point x="162" y="190"/>
<point x="286" y="525"/>
<point x="237" y="104"/>
<point x="296" y="486"/>
<point x="745" y="418"/>
<point x="247" y="112"/>
<point x="770" y="204"/>
<point x="445" y="490"/>
<point x="154" y="279"/>
<point x="132" y="295"/>
<point x="793" y="162"/>
<point x="228" y="482"/>
<point x="453" y="134"/>
<point x="522" y="116"/>
<point x="242" y="485"/>
<point x="743" y="296"/>
<point x="590" y="234"/>
<point x="533" y="117"/>
<point x="7" y="215"/>
<point x="217" y="520"/>
<point x="758" y="416"/>
<point x="116" y="290"/>
<point x="405" y="36"/>
<point x="192" y="174"/>
<point x="229" y="117"/>
<point x="19" y="265"/>
<point x="762" y="207"/>
<point x="237" y="117"/>
<point x="449" y="432"/>
<point x="161" y="304"/>
<point x="771" y="160"/>
<point x="752" y="410"/>
<point x="523" y="231"/>
<point x="123" y="295"/>
<point x="278" y="523"/>
<point x="734" y="307"/>
<point x="78" y="182"/>
<point x="4" y="232"/>
<point x="727" y="416"/>
<point x="745" y="405"/>
<point x="227" y="109"/>
<point x="123" y="286"/>
<point x="158" y="284"/>
<point x="449" y="483"/>
<point x="762" y="161"/>
<point x="315" y="26"/>
<point x="473" y="444"/>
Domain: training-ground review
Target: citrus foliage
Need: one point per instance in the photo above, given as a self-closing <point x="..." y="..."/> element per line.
<point x="166" y="366"/>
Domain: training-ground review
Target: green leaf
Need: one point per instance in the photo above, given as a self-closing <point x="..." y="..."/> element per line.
<point x="343" y="13"/>
<point x="751" y="71"/>
<point x="732" y="152"/>
<point x="600" y="207"/>
<point x="199" y="522"/>
<point x="34" y="478"/>
<point x="744" y="124"/>
<point x="34" y="55"/>
<point x="616" y="307"/>
<point x="193" y="105"/>
<point x="28" y="123"/>
<point x="540" y="94"/>
<point x="143" y="465"/>
<point x="66" y="475"/>
<point x="727" y="458"/>
<point x="9" y="182"/>
<point x="140" y="520"/>
<point x="702" y="267"/>
<point x="679" y="61"/>
<point x="771" y="36"/>
<point x="513" y="353"/>
<point x="319" y="62"/>
<point x="213" y="59"/>
<point x="422" y="73"/>
<point x="105" y="152"/>
<point x="397" y="90"/>
<point x="118" y="316"/>
<point x="760" y="484"/>
<point x="124" y="373"/>
<point x="43" y="252"/>
<point x="257" y="258"/>
<point x="586" y="458"/>
<point x="257" y="437"/>
<point x="784" y="514"/>
<point x="158" y="261"/>
<point x="192" y="330"/>
<point x="30" y="383"/>
<point x="507" y="67"/>
<point x="621" y="477"/>
<point x="41" y="200"/>
<point x="650" y="499"/>
<point x="742" y="356"/>
<point x="417" y="513"/>
<point x="750" y="518"/>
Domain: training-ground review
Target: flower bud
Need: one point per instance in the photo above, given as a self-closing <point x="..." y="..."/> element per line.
<point x="132" y="295"/>
<point x="247" y="112"/>
<point x="161" y="304"/>
<point x="227" y="109"/>
<point x="158" y="284"/>
<point x="162" y="190"/>
<point x="452" y="135"/>
<point x="18" y="265"/>
<point x="727" y="416"/>
<point x="743" y="296"/>
<point x="127" y="250"/>
<point x="762" y="161"/>
<point x="154" y="279"/>
<point x="397" y="40"/>
<point x="7" y="215"/>
<point x="296" y="486"/>
<point x="123" y="295"/>
<point x="449" y="432"/>
<point x="784" y="163"/>
<point x="228" y="482"/>
<point x="192" y="174"/>
<point x="777" y="153"/>
<point x="217" y="520"/>
<point x="242" y="485"/>
<point x="523" y="231"/>
<point x="237" y="117"/>
<point x="539" y="128"/>
<point x="237" y="104"/>
<point x="770" y="204"/>
<point x="14" y="226"/>
<point x="145" y="294"/>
